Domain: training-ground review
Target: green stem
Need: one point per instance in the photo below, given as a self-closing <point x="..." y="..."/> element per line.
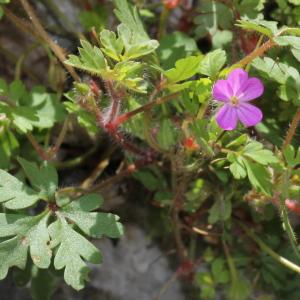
<point x="232" y="268"/>
<point x="20" y="61"/>
<point x="287" y="263"/>
<point x="75" y="161"/>
<point x="162" y="22"/>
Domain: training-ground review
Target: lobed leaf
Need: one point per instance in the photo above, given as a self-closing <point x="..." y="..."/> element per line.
<point x="14" y="194"/>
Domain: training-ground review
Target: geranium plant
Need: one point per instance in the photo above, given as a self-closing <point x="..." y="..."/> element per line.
<point x="208" y="130"/>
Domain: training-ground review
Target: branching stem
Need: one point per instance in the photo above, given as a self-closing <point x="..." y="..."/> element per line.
<point x="57" y="50"/>
<point x="291" y="131"/>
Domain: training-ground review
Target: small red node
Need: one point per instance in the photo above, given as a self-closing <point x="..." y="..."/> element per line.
<point x="131" y="168"/>
<point x="186" y="268"/>
<point x="170" y="4"/>
<point x="293" y="206"/>
<point x="190" y="144"/>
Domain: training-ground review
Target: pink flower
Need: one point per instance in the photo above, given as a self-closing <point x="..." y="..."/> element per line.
<point x="236" y="92"/>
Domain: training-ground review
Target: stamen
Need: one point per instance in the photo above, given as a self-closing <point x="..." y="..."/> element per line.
<point x="234" y="101"/>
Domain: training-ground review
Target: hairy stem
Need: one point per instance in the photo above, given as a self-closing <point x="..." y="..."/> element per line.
<point x="124" y="117"/>
<point x="116" y="101"/>
<point x="291" y="131"/>
<point x="60" y="138"/>
<point x="40" y="151"/>
<point x="256" y="53"/>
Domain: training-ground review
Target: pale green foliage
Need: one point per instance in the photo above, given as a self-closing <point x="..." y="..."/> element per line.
<point x="220" y="211"/>
<point x="288" y="77"/>
<point x="166" y="135"/>
<point x="73" y="248"/>
<point x="44" y="179"/>
<point x="27" y="110"/>
<point x="131" y="44"/>
<point x="1" y="9"/>
<point x="24" y="233"/>
<point x="129" y="17"/>
<point x="175" y="46"/>
<point x="268" y="28"/>
<point x="125" y="73"/>
<point x="94" y="224"/>
<point x="14" y="194"/>
<point x="21" y="233"/>
<point x="291" y="156"/>
<point x="184" y="69"/>
<point x="251" y="160"/>
<point x="212" y="63"/>
<point x="91" y="59"/>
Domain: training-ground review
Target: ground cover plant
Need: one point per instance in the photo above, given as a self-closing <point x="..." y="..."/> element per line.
<point x="198" y="105"/>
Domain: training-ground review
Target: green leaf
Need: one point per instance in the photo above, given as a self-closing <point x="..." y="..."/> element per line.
<point x="213" y="15"/>
<point x="212" y="63"/>
<point x="8" y="145"/>
<point x="240" y="289"/>
<point x="140" y="49"/>
<point x="255" y="151"/>
<point x="166" y="135"/>
<point x="250" y="8"/>
<point x="23" y="118"/>
<point x="237" y="167"/>
<point x="26" y="233"/>
<point x="14" y="194"/>
<point x="94" y="224"/>
<point x="221" y="38"/>
<point x="85" y="119"/>
<point x="48" y="107"/>
<point x="45" y="178"/>
<point x="16" y="90"/>
<point x="258" y="176"/>
<point x="296" y="53"/>
<point x="279" y="72"/>
<point x="96" y="18"/>
<point x="113" y="47"/>
<point x="295" y="2"/>
<point x="127" y="74"/>
<point x="72" y="252"/>
<point x="129" y="17"/>
<point x="184" y="69"/>
<point x="291" y="156"/>
<point x="90" y="59"/>
<point x="254" y="25"/>
<point x="220" y="211"/>
<point x="219" y="272"/>
<point x="175" y="46"/>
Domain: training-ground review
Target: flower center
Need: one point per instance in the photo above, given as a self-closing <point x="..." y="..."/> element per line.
<point x="234" y="101"/>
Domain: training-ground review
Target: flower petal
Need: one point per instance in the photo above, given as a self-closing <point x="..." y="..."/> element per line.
<point x="236" y="79"/>
<point x="227" y="117"/>
<point x="222" y="91"/>
<point x="249" y="114"/>
<point x="252" y="89"/>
